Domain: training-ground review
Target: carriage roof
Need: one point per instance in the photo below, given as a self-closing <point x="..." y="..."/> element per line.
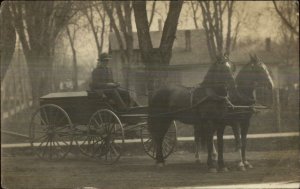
<point x="65" y="95"/>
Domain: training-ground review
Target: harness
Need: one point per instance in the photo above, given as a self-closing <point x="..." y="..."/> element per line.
<point x="246" y="97"/>
<point x="215" y="96"/>
<point x="192" y="104"/>
<point x="192" y="96"/>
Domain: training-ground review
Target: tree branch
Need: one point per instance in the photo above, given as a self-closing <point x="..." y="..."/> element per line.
<point x="152" y="13"/>
<point x="195" y="9"/>
<point x="285" y="21"/>
<point x="228" y="37"/>
<point x="169" y="30"/>
<point x="142" y="25"/>
<point x="109" y="11"/>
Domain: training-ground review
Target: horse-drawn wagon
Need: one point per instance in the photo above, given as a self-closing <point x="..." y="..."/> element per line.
<point x="88" y="120"/>
<point x="99" y="129"/>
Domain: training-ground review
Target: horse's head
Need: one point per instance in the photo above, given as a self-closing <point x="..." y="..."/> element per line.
<point x="220" y="75"/>
<point x="224" y="70"/>
<point x="255" y="74"/>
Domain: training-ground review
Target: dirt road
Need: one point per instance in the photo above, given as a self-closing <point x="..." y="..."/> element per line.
<point x="140" y="172"/>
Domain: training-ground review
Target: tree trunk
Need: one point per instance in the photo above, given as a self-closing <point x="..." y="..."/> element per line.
<point x="38" y="25"/>
<point x="40" y="74"/>
<point x="75" y="71"/>
<point x="156" y="60"/>
<point x="75" y="68"/>
<point x="8" y="38"/>
<point x="125" y="27"/>
<point x="145" y="42"/>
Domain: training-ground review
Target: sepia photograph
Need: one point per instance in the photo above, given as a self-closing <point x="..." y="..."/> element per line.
<point x="144" y="94"/>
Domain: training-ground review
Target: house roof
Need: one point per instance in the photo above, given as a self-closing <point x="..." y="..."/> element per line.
<point x="199" y="52"/>
<point x="197" y="55"/>
<point x="241" y="54"/>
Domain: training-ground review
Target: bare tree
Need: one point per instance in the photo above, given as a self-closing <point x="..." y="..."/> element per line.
<point x="8" y="38"/>
<point x="123" y="11"/>
<point x="38" y="24"/>
<point x="72" y="39"/>
<point x="156" y="59"/>
<point x="288" y="12"/>
<point x="195" y="7"/>
<point x="93" y="13"/>
<point x="241" y="16"/>
<point x="213" y="23"/>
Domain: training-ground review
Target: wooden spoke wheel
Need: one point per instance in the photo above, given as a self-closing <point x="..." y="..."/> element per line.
<point x="105" y="137"/>
<point x="169" y="141"/>
<point x="51" y="132"/>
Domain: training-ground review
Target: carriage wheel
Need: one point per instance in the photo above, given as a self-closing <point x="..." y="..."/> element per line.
<point x="169" y="141"/>
<point x="105" y="137"/>
<point x="51" y="132"/>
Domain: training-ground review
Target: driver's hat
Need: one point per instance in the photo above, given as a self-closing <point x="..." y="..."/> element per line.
<point x="103" y="57"/>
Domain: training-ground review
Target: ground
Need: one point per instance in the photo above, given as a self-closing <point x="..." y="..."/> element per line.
<point x="139" y="171"/>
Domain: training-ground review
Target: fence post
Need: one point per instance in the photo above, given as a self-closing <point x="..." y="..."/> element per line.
<point x="2" y="101"/>
<point x="277" y="109"/>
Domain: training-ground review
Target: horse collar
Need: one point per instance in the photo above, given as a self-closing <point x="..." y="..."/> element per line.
<point x="246" y="98"/>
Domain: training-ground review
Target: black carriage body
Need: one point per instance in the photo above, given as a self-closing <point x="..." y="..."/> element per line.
<point x="97" y="127"/>
<point x="79" y="105"/>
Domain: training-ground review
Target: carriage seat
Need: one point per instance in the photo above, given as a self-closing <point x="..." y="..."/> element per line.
<point x="97" y="90"/>
<point x="96" y="93"/>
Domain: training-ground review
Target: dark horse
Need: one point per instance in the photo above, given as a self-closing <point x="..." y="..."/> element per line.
<point x="251" y="77"/>
<point x="206" y="102"/>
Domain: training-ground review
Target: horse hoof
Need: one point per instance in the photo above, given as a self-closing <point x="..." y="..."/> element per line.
<point x="160" y="165"/>
<point x="241" y="168"/>
<point x="223" y="170"/>
<point x="248" y="165"/>
<point x="215" y="157"/>
<point x="212" y="170"/>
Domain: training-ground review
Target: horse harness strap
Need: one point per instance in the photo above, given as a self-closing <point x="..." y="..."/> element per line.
<point x="192" y="105"/>
<point x="192" y="96"/>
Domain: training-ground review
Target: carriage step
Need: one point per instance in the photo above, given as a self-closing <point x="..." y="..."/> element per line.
<point x="134" y="115"/>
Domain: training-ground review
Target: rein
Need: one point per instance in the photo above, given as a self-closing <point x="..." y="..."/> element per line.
<point x="143" y="94"/>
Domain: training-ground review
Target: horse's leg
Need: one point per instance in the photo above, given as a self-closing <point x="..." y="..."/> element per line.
<point x="197" y="142"/>
<point x="210" y="162"/>
<point x="220" y="133"/>
<point x="244" y="131"/>
<point x="237" y="138"/>
<point x="159" y="155"/>
<point x="161" y="132"/>
<point x="154" y="127"/>
<point x="236" y="132"/>
<point x="214" y="152"/>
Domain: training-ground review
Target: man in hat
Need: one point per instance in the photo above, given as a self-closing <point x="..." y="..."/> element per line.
<point x="102" y="75"/>
<point x="103" y="83"/>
